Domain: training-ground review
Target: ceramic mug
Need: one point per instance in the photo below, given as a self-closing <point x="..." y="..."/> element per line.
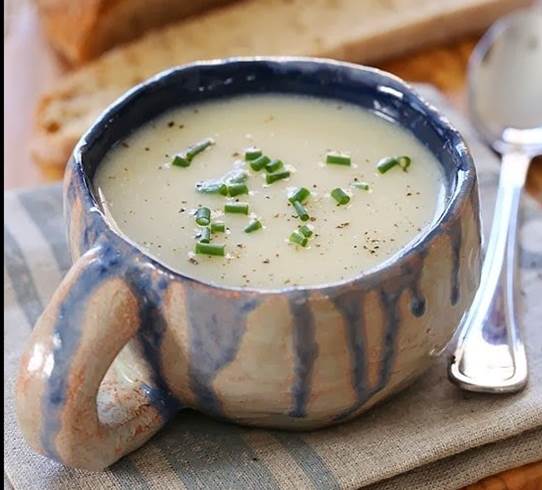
<point x="126" y="342"/>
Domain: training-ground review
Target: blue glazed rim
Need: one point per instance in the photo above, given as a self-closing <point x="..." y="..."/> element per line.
<point x="390" y="98"/>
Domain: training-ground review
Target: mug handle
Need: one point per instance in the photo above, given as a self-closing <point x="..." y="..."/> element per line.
<point x="90" y="318"/>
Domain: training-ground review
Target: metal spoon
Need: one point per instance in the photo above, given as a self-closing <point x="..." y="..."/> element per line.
<point x="505" y="101"/>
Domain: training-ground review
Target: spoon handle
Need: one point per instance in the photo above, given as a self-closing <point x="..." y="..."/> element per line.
<point x="490" y="355"/>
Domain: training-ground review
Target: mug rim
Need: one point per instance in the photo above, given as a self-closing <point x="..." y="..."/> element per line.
<point x="465" y="176"/>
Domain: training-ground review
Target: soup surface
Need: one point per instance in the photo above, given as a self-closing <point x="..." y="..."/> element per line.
<point x="154" y="202"/>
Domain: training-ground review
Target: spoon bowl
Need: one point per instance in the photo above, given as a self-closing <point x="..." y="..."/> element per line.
<point x="505" y="80"/>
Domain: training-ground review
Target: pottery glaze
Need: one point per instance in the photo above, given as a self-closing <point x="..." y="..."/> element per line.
<point x="125" y="342"/>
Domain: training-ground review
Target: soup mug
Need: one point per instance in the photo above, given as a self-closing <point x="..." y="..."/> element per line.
<point x="126" y="342"/>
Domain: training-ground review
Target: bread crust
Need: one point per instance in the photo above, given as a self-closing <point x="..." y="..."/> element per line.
<point x="348" y="30"/>
<point x="80" y="30"/>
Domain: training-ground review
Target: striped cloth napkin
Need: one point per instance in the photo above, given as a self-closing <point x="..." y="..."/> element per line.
<point x="432" y="436"/>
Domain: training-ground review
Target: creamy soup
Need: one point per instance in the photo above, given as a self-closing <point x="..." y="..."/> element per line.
<point x="359" y="210"/>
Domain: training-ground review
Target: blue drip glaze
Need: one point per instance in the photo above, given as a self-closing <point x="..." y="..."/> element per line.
<point x="389" y="300"/>
<point x="216" y="325"/>
<point x="151" y="330"/>
<point x="455" y="241"/>
<point x="417" y="302"/>
<point x="67" y="334"/>
<point x="109" y="263"/>
<point x="350" y="307"/>
<point x="306" y="351"/>
<point x="93" y="229"/>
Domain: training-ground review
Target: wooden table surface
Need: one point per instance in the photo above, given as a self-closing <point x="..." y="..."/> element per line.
<point x="444" y="67"/>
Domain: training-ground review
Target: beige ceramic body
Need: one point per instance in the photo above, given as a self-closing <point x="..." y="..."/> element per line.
<point x="294" y="359"/>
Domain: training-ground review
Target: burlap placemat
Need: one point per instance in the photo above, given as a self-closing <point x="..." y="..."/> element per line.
<point x="432" y="436"/>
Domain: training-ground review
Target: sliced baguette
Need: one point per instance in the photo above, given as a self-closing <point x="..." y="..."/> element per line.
<point x="343" y="29"/>
<point x="80" y="30"/>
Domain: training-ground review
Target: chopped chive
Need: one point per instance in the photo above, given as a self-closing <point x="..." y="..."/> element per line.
<point x="236" y="208"/>
<point x="203" y="216"/>
<point x="212" y="188"/>
<point x="300" y="210"/>
<point x="305" y="231"/>
<point x="259" y="162"/>
<point x="252" y="153"/>
<point x="340" y="196"/>
<point x="300" y="195"/>
<point x="361" y="185"/>
<point x="338" y="158"/>
<point x="237" y="189"/>
<point x="282" y="174"/>
<point x="185" y="158"/>
<point x="298" y="239"/>
<point x="274" y="165"/>
<point x="388" y="163"/>
<point x="253" y="226"/>
<point x="404" y="162"/>
<point x="205" y="235"/>
<point x="218" y="227"/>
<point x="209" y="249"/>
<point x="180" y="161"/>
<point x="236" y="177"/>
<point x="197" y="148"/>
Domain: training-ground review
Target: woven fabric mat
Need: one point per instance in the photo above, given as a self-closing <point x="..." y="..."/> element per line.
<point x="432" y="436"/>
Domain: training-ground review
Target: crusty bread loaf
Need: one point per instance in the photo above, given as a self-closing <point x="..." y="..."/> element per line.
<point x="82" y="29"/>
<point x="343" y="29"/>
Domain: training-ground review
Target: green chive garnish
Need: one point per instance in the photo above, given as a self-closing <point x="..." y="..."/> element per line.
<point x="388" y="163"/>
<point x="237" y="189"/>
<point x="205" y="235"/>
<point x="338" y="158"/>
<point x="300" y="210"/>
<point x="274" y="165"/>
<point x="259" y="163"/>
<point x="203" y="216"/>
<point x="218" y="227"/>
<point x="236" y="208"/>
<point x="404" y="162"/>
<point x="185" y="158"/>
<point x="300" y="195"/>
<point x="340" y="196"/>
<point x="252" y="153"/>
<point x="361" y="185"/>
<point x="193" y="150"/>
<point x="305" y="231"/>
<point x="212" y="188"/>
<point x="298" y="239"/>
<point x="209" y="249"/>
<point x="236" y="177"/>
<point x="180" y="161"/>
<point x="282" y="174"/>
<point x="253" y="226"/>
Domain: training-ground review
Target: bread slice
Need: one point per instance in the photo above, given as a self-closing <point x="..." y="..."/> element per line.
<point x="344" y="29"/>
<point x="82" y="29"/>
